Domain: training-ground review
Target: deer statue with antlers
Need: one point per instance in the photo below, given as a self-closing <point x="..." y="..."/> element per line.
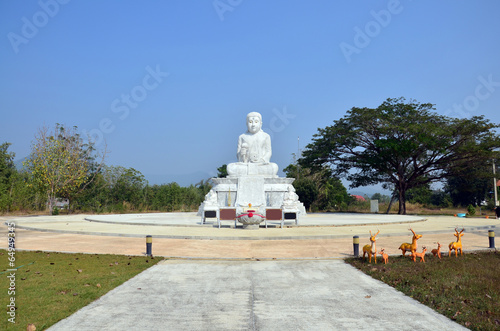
<point x="414" y="255"/>
<point x="410" y="247"/>
<point x="437" y="251"/>
<point x="456" y="245"/>
<point x="371" y="248"/>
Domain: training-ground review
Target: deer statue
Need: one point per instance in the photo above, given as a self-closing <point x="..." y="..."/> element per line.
<point x="437" y="251"/>
<point x="384" y="256"/>
<point x="456" y="245"/>
<point x="410" y="247"/>
<point x="414" y="255"/>
<point x="371" y="249"/>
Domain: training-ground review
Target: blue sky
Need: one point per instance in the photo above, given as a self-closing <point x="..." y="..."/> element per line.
<point x="167" y="84"/>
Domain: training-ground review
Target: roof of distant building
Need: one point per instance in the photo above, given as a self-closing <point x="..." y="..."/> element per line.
<point x="359" y="197"/>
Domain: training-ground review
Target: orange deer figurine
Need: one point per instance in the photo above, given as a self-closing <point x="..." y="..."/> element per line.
<point x="456" y="245"/>
<point x="410" y="247"/>
<point x="371" y="249"/>
<point x="437" y="251"/>
<point x="384" y="256"/>
<point x="414" y="255"/>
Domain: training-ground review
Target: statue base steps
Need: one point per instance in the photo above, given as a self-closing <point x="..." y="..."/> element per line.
<point x="261" y="192"/>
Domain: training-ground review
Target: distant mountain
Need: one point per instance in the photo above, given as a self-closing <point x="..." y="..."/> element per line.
<point x="359" y="193"/>
<point x="19" y="163"/>
<point x="370" y="191"/>
<point x="181" y="179"/>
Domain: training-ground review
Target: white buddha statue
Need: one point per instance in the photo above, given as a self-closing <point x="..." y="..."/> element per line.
<point x="254" y="151"/>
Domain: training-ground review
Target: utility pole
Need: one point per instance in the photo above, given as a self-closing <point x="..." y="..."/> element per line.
<point x="298" y="157"/>
<point x="495" y="183"/>
<point x="298" y="146"/>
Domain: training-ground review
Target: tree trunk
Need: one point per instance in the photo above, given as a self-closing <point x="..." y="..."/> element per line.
<point x="49" y="204"/>
<point x="402" y="201"/>
<point x="390" y="204"/>
<point x="52" y="199"/>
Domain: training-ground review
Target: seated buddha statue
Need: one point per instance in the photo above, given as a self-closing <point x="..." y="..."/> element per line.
<point x="254" y="151"/>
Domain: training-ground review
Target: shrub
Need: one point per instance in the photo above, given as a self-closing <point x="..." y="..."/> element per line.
<point x="471" y="210"/>
<point x="55" y="211"/>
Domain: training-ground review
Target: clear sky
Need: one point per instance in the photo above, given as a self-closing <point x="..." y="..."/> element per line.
<point x="167" y="84"/>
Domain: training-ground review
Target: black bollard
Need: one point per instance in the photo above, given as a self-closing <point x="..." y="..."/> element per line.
<point x="491" y="235"/>
<point x="149" y="245"/>
<point x="355" y="245"/>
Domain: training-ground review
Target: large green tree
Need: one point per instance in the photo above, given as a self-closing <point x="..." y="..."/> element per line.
<point x="402" y="145"/>
<point x="471" y="186"/>
<point x="318" y="190"/>
<point x="61" y="163"/>
<point x="124" y="184"/>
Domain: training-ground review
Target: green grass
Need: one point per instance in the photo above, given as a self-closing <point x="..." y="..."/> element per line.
<point x="465" y="289"/>
<point x="57" y="284"/>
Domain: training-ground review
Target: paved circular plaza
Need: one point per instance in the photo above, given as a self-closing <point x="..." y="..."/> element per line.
<point x="183" y="235"/>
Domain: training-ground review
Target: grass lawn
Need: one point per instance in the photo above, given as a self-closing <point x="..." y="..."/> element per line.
<point x="465" y="289"/>
<point x="52" y="286"/>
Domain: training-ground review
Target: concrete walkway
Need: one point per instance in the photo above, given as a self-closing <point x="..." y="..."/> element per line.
<point x="235" y="279"/>
<point x="264" y="295"/>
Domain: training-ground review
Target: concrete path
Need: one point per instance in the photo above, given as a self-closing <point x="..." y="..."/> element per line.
<point x="259" y="295"/>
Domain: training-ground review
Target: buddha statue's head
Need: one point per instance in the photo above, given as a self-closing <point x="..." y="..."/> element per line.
<point x="254" y="122"/>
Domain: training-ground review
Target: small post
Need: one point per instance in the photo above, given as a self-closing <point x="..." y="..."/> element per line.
<point x="355" y="244"/>
<point x="149" y="245"/>
<point x="491" y="235"/>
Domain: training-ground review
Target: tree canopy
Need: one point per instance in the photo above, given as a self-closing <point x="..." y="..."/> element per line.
<point x="6" y="165"/>
<point x="222" y="171"/>
<point x="318" y="190"/>
<point x="61" y="163"/>
<point x="7" y="171"/>
<point x="64" y="165"/>
<point x="402" y="145"/>
<point x="471" y="186"/>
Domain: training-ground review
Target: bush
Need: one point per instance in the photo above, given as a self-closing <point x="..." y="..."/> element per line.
<point x="471" y="210"/>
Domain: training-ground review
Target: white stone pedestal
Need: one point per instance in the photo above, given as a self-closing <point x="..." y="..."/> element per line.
<point x="262" y="192"/>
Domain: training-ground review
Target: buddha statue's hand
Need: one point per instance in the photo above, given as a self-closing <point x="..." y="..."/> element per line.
<point x="244" y="153"/>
